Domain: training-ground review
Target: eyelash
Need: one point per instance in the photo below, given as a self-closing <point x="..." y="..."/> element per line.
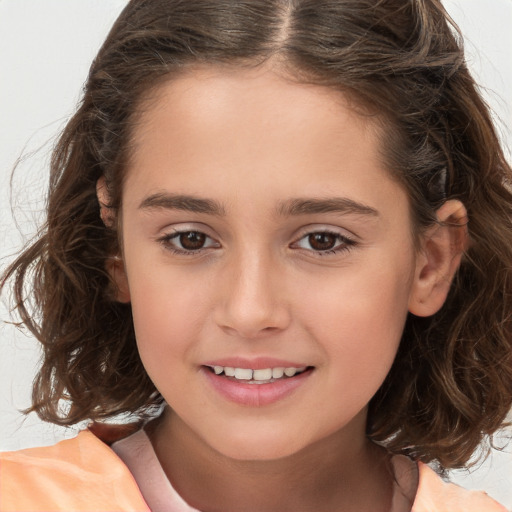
<point x="168" y="242"/>
<point x="343" y="243"/>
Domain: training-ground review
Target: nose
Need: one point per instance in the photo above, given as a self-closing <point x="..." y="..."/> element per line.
<point x="252" y="302"/>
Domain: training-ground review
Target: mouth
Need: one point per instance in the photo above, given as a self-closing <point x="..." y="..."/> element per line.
<point x="256" y="387"/>
<point x="258" y="376"/>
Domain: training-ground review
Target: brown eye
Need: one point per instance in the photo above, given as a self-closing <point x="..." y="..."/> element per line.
<point x="188" y="243"/>
<point x="322" y="241"/>
<point x="192" y="240"/>
<point x="325" y="243"/>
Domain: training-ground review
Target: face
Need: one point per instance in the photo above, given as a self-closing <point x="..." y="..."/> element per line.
<point x="263" y="238"/>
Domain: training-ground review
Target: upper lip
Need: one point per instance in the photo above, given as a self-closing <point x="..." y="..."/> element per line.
<point x="258" y="363"/>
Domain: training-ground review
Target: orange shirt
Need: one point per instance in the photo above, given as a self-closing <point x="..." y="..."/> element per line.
<point x="84" y="474"/>
<point x="77" y="475"/>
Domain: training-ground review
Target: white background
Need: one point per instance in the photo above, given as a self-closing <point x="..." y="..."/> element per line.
<point x="46" y="48"/>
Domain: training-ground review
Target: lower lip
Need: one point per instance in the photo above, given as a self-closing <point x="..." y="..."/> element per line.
<point x="255" y="395"/>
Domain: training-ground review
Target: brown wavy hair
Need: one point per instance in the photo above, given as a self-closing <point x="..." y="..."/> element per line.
<point x="451" y="383"/>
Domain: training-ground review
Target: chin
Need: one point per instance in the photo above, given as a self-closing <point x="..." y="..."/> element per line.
<point x="243" y="446"/>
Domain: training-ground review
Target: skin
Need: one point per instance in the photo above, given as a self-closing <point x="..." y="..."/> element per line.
<point x="252" y="142"/>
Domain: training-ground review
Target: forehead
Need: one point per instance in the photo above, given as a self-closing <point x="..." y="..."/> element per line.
<point x="210" y="109"/>
<point x="223" y="131"/>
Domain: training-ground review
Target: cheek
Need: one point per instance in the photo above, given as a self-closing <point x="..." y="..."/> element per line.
<point x="168" y="315"/>
<point x="358" y="318"/>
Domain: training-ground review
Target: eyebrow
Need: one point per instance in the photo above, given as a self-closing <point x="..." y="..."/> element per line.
<point x="308" y="206"/>
<point x="292" y="207"/>
<point x="182" y="202"/>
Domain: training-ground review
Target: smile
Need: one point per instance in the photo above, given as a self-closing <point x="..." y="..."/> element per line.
<point x="259" y="376"/>
<point x="256" y="387"/>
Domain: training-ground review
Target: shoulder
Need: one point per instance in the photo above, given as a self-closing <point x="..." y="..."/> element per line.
<point x="435" y="495"/>
<point x="77" y="474"/>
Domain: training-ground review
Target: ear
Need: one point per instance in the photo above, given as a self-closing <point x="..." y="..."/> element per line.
<point x="106" y="212"/>
<point x="442" y="247"/>
<point x="116" y="269"/>
<point x="115" y="264"/>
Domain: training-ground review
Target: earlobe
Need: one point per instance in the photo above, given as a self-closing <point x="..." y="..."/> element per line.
<point x="442" y="247"/>
<point x="115" y="268"/>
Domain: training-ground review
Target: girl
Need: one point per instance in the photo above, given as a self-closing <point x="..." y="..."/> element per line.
<point x="279" y="233"/>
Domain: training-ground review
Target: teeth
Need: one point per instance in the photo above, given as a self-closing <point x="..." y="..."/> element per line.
<point x="290" y="372"/>
<point x="243" y="374"/>
<point x="277" y="373"/>
<point x="262" y="375"/>
<point x="265" y="374"/>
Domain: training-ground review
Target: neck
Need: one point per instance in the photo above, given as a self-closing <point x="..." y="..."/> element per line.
<point x="339" y="472"/>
